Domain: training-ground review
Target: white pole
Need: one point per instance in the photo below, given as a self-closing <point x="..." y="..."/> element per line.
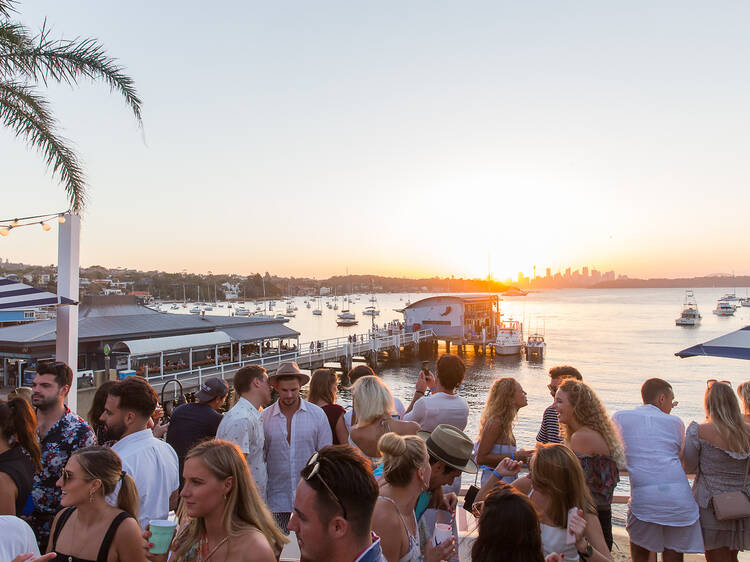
<point x="68" y="264"/>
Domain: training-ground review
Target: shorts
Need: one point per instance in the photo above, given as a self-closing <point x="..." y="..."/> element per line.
<point x="655" y="537"/>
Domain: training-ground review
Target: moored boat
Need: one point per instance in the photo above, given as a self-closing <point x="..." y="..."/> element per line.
<point x="689" y="315"/>
<point x="509" y="339"/>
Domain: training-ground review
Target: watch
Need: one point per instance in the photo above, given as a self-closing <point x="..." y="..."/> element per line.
<point x="588" y="552"/>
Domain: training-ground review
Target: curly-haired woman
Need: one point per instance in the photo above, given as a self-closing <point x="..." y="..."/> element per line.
<point x="496" y="439"/>
<point x="589" y="432"/>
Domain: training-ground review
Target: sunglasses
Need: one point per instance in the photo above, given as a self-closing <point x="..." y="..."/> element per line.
<point x="67" y="476"/>
<point x="315" y="471"/>
<point x="711" y="382"/>
<point x="552" y="387"/>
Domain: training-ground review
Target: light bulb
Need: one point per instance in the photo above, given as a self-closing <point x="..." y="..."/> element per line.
<point x="4" y="231"/>
<point x="61" y="219"/>
<point x="45" y="226"/>
<point x="14" y="222"/>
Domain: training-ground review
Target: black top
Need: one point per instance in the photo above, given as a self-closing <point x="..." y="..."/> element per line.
<point x="17" y="464"/>
<point x="106" y="542"/>
<point x="190" y="424"/>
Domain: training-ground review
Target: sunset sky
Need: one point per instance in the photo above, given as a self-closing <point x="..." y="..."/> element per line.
<point x="403" y="138"/>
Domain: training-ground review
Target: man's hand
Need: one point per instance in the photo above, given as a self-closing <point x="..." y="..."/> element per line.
<point x="27" y="557"/>
<point x="508" y="467"/>
<point x="160" y="429"/>
<point x="421" y="383"/>
<point x="449" y="502"/>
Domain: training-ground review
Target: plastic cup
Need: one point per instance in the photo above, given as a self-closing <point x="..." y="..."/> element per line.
<point x="442" y="533"/>
<point x="162" y="532"/>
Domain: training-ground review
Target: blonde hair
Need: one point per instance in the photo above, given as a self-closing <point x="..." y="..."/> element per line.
<point x="744" y="392"/>
<point x="104" y="464"/>
<point x="556" y="472"/>
<point x="589" y="411"/>
<point x="402" y="456"/>
<point x="501" y="406"/>
<point x="244" y="507"/>
<point x="723" y="411"/>
<point x="371" y="399"/>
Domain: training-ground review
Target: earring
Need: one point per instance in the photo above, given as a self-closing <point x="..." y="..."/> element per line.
<point x="91" y="496"/>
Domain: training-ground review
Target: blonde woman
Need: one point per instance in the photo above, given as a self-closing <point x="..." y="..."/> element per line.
<point x="496" y="439"/>
<point x="226" y="518"/>
<point x="589" y="433"/>
<point x="110" y="532"/>
<point x="743" y="391"/>
<point x="406" y="474"/>
<point x="373" y="405"/>
<point x="718" y="450"/>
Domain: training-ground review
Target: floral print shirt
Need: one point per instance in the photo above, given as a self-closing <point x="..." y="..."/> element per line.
<point x="69" y="434"/>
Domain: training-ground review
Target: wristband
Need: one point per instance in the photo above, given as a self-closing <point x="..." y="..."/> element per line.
<point x="496" y="474"/>
<point x="419" y="392"/>
<point x="512" y="456"/>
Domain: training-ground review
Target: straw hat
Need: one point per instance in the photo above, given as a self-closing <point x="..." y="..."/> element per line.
<point x="290" y="369"/>
<point x="450" y="445"/>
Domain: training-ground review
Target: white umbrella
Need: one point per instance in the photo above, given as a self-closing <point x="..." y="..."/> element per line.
<point x="735" y="345"/>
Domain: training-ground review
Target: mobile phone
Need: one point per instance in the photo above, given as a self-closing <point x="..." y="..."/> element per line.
<point x="471" y="495"/>
<point x="426" y="366"/>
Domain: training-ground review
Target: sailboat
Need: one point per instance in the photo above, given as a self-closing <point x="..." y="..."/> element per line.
<point x="318" y="311"/>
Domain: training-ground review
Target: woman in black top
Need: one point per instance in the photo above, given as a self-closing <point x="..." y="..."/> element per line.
<point x="20" y="455"/>
<point x="111" y="533"/>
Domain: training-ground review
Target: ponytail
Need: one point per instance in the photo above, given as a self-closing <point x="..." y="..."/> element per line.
<point x="18" y="423"/>
<point x="127" y="497"/>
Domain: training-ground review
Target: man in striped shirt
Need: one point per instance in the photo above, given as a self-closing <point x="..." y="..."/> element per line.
<point x="549" y="432"/>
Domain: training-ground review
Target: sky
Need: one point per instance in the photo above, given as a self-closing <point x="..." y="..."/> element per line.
<point x="402" y="138"/>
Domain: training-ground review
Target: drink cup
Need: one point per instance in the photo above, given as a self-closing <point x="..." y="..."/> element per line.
<point x="162" y="532"/>
<point x="442" y="533"/>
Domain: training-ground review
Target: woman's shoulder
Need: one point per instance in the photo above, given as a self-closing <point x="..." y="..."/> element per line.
<point x="404" y="427"/>
<point x="336" y="408"/>
<point x="128" y="532"/>
<point x="253" y="541"/>
<point x="587" y="441"/>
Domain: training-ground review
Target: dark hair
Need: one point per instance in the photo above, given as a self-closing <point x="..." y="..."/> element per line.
<point x="320" y="386"/>
<point x="653" y="388"/>
<point x="104" y="464"/>
<point x="18" y="421"/>
<point x="360" y="371"/>
<point x="565" y="372"/>
<point x="349" y="475"/>
<point x="450" y="370"/>
<point x="97" y="404"/>
<point x="63" y="373"/>
<point x="136" y="395"/>
<point x="245" y="377"/>
<point x="508" y="528"/>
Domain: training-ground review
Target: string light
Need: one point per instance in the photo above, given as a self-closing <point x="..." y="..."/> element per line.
<point x="4" y="231"/>
<point x="14" y="223"/>
<point x="61" y="218"/>
<point x="7" y="225"/>
<point x="45" y="226"/>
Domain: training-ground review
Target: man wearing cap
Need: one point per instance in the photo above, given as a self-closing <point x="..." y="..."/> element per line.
<point x="293" y="429"/>
<point x="192" y="423"/>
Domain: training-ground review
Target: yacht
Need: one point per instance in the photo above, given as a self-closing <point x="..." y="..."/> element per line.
<point x="346" y="318"/>
<point x="745" y="301"/>
<point x="723" y="308"/>
<point x="689" y="315"/>
<point x="535" y="346"/>
<point x="195" y="310"/>
<point x="730" y="297"/>
<point x="509" y="339"/>
<point x="241" y="311"/>
<point x="370" y="311"/>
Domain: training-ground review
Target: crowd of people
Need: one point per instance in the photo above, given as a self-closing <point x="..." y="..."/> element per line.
<point x="376" y="481"/>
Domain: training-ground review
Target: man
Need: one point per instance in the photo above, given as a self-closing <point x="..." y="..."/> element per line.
<point x="191" y="423"/>
<point x="151" y="462"/>
<point x="443" y="405"/>
<point x="242" y="424"/>
<point x="61" y="433"/>
<point x="293" y="430"/>
<point x="549" y="432"/>
<point x="333" y="508"/>
<point x="662" y="514"/>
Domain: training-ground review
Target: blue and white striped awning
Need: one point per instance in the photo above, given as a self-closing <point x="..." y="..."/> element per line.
<point x="18" y="295"/>
<point x="735" y="345"/>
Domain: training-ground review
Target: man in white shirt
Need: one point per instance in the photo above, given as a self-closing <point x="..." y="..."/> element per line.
<point x="151" y="462"/>
<point x="662" y="514"/>
<point x="242" y="424"/>
<point x="294" y="429"/>
<point x="17" y="539"/>
<point x="443" y="405"/>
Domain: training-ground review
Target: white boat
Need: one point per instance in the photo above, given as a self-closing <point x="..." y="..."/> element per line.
<point x="174" y="307"/>
<point x="241" y="311"/>
<point x="730" y="297"/>
<point x="745" y="301"/>
<point x="289" y="308"/>
<point x="723" y="308"/>
<point x="509" y="339"/>
<point x="370" y="311"/>
<point x="689" y="315"/>
<point x="317" y="311"/>
<point x="346" y="318"/>
<point x="195" y="310"/>
<point x="535" y="346"/>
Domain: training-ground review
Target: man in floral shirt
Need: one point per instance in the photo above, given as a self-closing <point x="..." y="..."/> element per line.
<point x="60" y="432"/>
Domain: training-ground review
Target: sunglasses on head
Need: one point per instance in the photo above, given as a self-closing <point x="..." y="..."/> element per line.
<point x="314" y="462"/>
<point x="711" y="382"/>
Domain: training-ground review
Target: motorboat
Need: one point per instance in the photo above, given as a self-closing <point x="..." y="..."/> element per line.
<point x="730" y="297"/>
<point x="370" y="311"/>
<point x="317" y="312"/>
<point x="346" y="318"/>
<point x="241" y="311"/>
<point x="724" y="308"/>
<point x="509" y="339"/>
<point x="745" y="301"/>
<point x="208" y="307"/>
<point x="689" y="315"/>
<point x="535" y="346"/>
<point x="195" y="310"/>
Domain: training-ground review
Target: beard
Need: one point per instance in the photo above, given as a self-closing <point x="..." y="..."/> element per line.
<point x="44" y="403"/>
<point x="114" y="432"/>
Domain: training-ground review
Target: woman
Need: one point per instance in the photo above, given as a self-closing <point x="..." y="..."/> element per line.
<point x="111" y="533"/>
<point x="718" y="450"/>
<point x="743" y="391"/>
<point x="96" y="411"/>
<point x="227" y="519"/>
<point x="20" y="455"/>
<point x="406" y="474"/>
<point x="323" y="390"/>
<point x="373" y="403"/>
<point x="496" y="439"/>
<point x="589" y="433"/>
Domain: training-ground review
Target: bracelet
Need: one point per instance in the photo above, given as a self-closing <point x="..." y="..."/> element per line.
<point x="512" y="456"/>
<point x="419" y="392"/>
<point x="496" y="474"/>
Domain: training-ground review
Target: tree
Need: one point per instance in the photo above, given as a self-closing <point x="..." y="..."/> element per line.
<point x="28" y="60"/>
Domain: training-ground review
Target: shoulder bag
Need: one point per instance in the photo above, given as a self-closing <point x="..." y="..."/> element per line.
<point x="730" y="505"/>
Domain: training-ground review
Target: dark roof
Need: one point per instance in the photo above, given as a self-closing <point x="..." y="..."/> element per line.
<point x="263" y="331"/>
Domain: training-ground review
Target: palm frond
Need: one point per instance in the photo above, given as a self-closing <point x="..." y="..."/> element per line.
<point x="6" y="7"/>
<point x="27" y="114"/>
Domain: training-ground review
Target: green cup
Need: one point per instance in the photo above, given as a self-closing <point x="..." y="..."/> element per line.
<point x="162" y="532"/>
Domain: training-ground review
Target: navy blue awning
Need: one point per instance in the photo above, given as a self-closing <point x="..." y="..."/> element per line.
<point x="18" y="295"/>
<point x="734" y="345"/>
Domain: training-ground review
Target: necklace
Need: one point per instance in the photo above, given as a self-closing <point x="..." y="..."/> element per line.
<point x="204" y="547"/>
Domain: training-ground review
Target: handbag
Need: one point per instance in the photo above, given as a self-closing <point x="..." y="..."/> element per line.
<point x="731" y="505"/>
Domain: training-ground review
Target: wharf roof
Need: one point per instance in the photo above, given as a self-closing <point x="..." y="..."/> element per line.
<point x="152" y="346"/>
<point x="464" y="298"/>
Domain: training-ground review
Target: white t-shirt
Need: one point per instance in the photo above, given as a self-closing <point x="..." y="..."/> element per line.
<point x="430" y="411"/>
<point x="659" y="489"/>
<point x="17" y="538"/>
